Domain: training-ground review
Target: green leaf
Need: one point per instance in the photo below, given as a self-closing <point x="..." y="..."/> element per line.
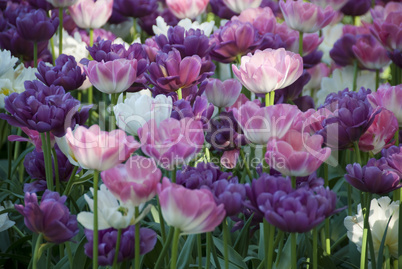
<point x="185" y="252"/>
<point x="80" y="258"/>
<point x="243" y="238"/>
<point x="234" y="257"/>
<point x="381" y="249"/>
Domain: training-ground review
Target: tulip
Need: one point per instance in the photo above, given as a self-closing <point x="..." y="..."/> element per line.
<point x="173" y="143"/>
<point x="51" y="218"/>
<point x="370" y="53"/>
<point x="5" y="222"/>
<point x="8" y="62"/>
<point x="112" y="77"/>
<point x="269" y="70"/>
<point x="389" y="97"/>
<point x="191" y="211"/>
<point x="222" y="94"/>
<point x="260" y="124"/>
<point x="138" y="109"/>
<point x="135" y="8"/>
<point x="296" y="154"/>
<point x="187" y="8"/>
<point x="35" y="26"/>
<point x="306" y="17"/>
<point x="100" y="150"/>
<point x="134" y="182"/>
<point x="91" y="14"/>
<point x="356" y="7"/>
<point x="238" y="6"/>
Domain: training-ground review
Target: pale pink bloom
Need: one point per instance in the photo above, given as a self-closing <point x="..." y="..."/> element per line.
<point x="91" y="14"/>
<point x="306" y="17"/>
<point x="172" y="142"/>
<point x="389" y="97"/>
<point x="259" y="124"/>
<point x="113" y="76"/>
<point x="187" y="8"/>
<point x="99" y="150"/>
<point x="238" y="6"/>
<point x="33" y="137"/>
<point x="296" y="154"/>
<point x="311" y="120"/>
<point x="229" y="158"/>
<point x="241" y="100"/>
<point x="380" y="133"/>
<point x="222" y="94"/>
<point x="133" y="182"/>
<point x="263" y="19"/>
<point x="192" y="211"/>
<point x="370" y="53"/>
<point x="269" y="70"/>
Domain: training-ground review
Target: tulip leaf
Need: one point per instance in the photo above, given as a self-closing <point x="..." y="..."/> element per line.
<point x="185" y="252"/>
<point x="241" y="244"/>
<point x="381" y="249"/>
<point x="79" y="259"/>
<point x="62" y="264"/>
<point x="234" y="257"/>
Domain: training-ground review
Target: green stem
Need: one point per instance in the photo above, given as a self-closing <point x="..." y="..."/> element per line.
<point x="52" y="49"/>
<point x="116" y="254"/>
<point x="377" y="79"/>
<point x="349" y="200"/>
<point x="70" y="181"/>
<point x="56" y="169"/>
<point x="293" y="238"/>
<point x="179" y="94"/>
<point x="48" y="162"/>
<point x="270" y="245"/>
<point x="366" y="212"/>
<point x="326" y="225"/>
<point x="60" y="31"/>
<point x="396" y="137"/>
<point x="199" y="251"/>
<point x="174" y="174"/>
<point x="165" y="248"/>
<point x="301" y="43"/>
<point x="355" y="70"/>
<point x="95" y="242"/>
<point x="137" y="257"/>
<point x="272" y="98"/>
<point x="161" y="221"/>
<point x="35" y="54"/>
<point x="134" y="29"/>
<point x="10" y="154"/>
<point x="91" y="37"/>
<point x="266" y="240"/>
<point x="208" y="253"/>
<point x="357" y="152"/>
<point x="293" y="178"/>
<point x="69" y="254"/>
<point x="267" y="99"/>
<point x="245" y="160"/>
<point x="36" y="251"/>
<point x="217" y="264"/>
<point x="225" y="243"/>
<point x="175" y="246"/>
<point x="315" y="248"/>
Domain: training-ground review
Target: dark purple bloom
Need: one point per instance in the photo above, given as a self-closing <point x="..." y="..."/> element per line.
<point x="375" y="177"/>
<point x="292" y="91"/>
<point x="51" y="218"/>
<point x="107" y="244"/>
<point x="271" y="4"/>
<point x="68" y="22"/>
<point x="352" y="116"/>
<point x="205" y="174"/>
<point x="44" y="109"/>
<point x="148" y="21"/>
<point x="356" y="7"/>
<point x="312" y="59"/>
<point x="342" y="52"/>
<point x="221" y="10"/>
<point x="135" y="8"/>
<point x="65" y="73"/>
<point x="41" y="4"/>
<point x="200" y="110"/>
<point x="396" y="57"/>
<point x="99" y="33"/>
<point x="14" y="10"/>
<point x="393" y="156"/>
<point x="311" y="181"/>
<point x="224" y="133"/>
<point x="35" y="26"/>
<point x="231" y="194"/>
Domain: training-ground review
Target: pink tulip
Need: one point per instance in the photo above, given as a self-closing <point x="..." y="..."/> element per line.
<point x="370" y="53"/>
<point x="269" y="70"/>
<point x="222" y="94"/>
<point x="317" y="72"/>
<point x="113" y="76"/>
<point x="263" y="19"/>
<point x="259" y="124"/>
<point x="311" y="120"/>
<point x="133" y="182"/>
<point x="187" y="8"/>
<point x="90" y="13"/>
<point x="296" y="154"/>
<point x="389" y="97"/>
<point x="241" y="100"/>
<point x="238" y="6"/>
<point x="33" y="137"/>
<point x="172" y="142"/>
<point x="192" y="211"/>
<point x="306" y="17"/>
<point x="99" y="150"/>
<point x="380" y="133"/>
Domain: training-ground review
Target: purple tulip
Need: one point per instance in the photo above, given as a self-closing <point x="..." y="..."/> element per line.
<point x="389" y="97"/>
<point x="35" y="26"/>
<point x="41" y="4"/>
<point x="370" y="53"/>
<point x="51" y="218"/>
<point x="221" y="10"/>
<point x="342" y="52"/>
<point x="14" y="10"/>
<point x="393" y="156"/>
<point x="356" y="7"/>
<point x="148" y="21"/>
<point x="66" y="73"/>
<point x="135" y="8"/>
<point x="231" y="194"/>
<point x="375" y="177"/>
<point x="44" y="109"/>
<point x="107" y="244"/>
<point x="200" y="110"/>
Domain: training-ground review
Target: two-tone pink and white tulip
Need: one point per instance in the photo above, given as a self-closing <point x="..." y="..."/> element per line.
<point x="113" y="76"/>
<point x="269" y="70"/>
<point x="240" y="5"/>
<point x="173" y="142"/>
<point x="389" y="97"/>
<point x="133" y="182"/>
<point x="187" y="8"/>
<point x="296" y="154"/>
<point x="222" y="94"/>
<point x="259" y="124"/>
<point x="306" y="17"/>
<point x="192" y="211"/>
<point x="91" y="13"/>
<point x="99" y="150"/>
